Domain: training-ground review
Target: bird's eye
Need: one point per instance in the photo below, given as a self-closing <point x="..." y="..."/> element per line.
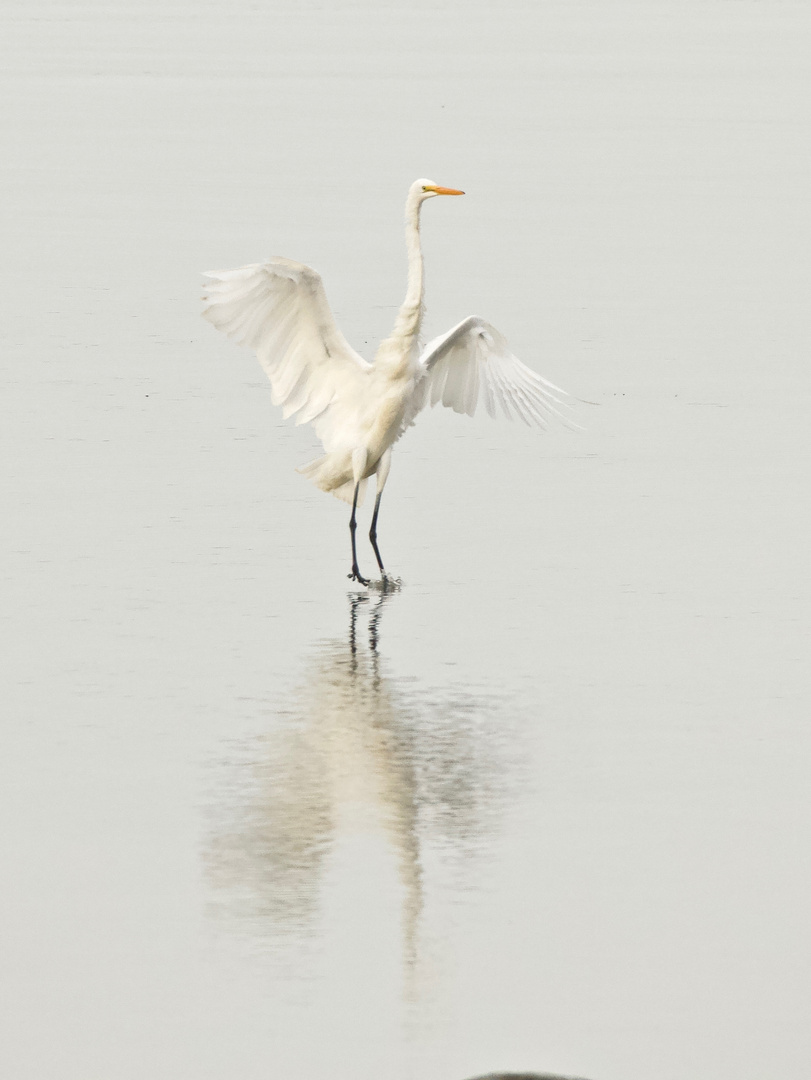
<point x="424" y="187"/>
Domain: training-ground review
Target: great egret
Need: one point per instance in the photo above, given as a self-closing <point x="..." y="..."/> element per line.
<point x="359" y="410"/>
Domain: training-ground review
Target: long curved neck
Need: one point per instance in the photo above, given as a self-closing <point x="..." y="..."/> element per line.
<point x="409" y="317"/>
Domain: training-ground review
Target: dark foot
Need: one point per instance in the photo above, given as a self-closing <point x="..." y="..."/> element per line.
<point x="357" y="576"/>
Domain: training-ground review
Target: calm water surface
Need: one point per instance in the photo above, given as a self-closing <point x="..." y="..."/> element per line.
<point x="546" y="807"/>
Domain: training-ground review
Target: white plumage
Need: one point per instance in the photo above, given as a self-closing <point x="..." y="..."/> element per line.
<point x="472" y="361"/>
<point x="279" y="309"/>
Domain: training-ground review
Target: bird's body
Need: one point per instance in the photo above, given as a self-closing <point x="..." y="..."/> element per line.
<point x="359" y="410"/>
<point x="380" y="413"/>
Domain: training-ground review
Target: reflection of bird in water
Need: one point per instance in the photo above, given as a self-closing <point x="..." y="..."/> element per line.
<point x="358" y="751"/>
<point x="359" y="410"/>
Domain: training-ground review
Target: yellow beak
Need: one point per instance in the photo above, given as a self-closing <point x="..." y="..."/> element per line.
<point x="443" y="190"/>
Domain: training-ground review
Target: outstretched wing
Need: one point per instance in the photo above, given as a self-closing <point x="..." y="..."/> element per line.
<point x="472" y="362"/>
<point x="279" y="308"/>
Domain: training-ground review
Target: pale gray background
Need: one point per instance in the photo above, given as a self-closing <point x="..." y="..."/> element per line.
<point x="559" y="820"/>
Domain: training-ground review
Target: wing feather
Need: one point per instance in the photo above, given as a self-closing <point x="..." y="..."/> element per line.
<point x="472" y="363"/>
<point x="279" y="309"/>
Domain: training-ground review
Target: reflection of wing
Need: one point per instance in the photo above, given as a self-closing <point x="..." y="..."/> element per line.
<point x="360" y="749"/>
<point x="279" y="309"/>
<point x="471" y="362"/>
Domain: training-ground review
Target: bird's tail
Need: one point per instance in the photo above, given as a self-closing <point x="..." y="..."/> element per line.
<point x="322" y="472"/>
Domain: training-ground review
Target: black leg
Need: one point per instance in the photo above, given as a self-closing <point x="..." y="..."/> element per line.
<point x="373" y="534"/>
<point x="356" y="574"/>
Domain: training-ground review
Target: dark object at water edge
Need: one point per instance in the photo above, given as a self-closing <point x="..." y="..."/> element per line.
<point x="526" y="1076"/>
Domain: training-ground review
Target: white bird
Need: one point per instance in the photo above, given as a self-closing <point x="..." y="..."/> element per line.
<point x="359" y="410"/>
